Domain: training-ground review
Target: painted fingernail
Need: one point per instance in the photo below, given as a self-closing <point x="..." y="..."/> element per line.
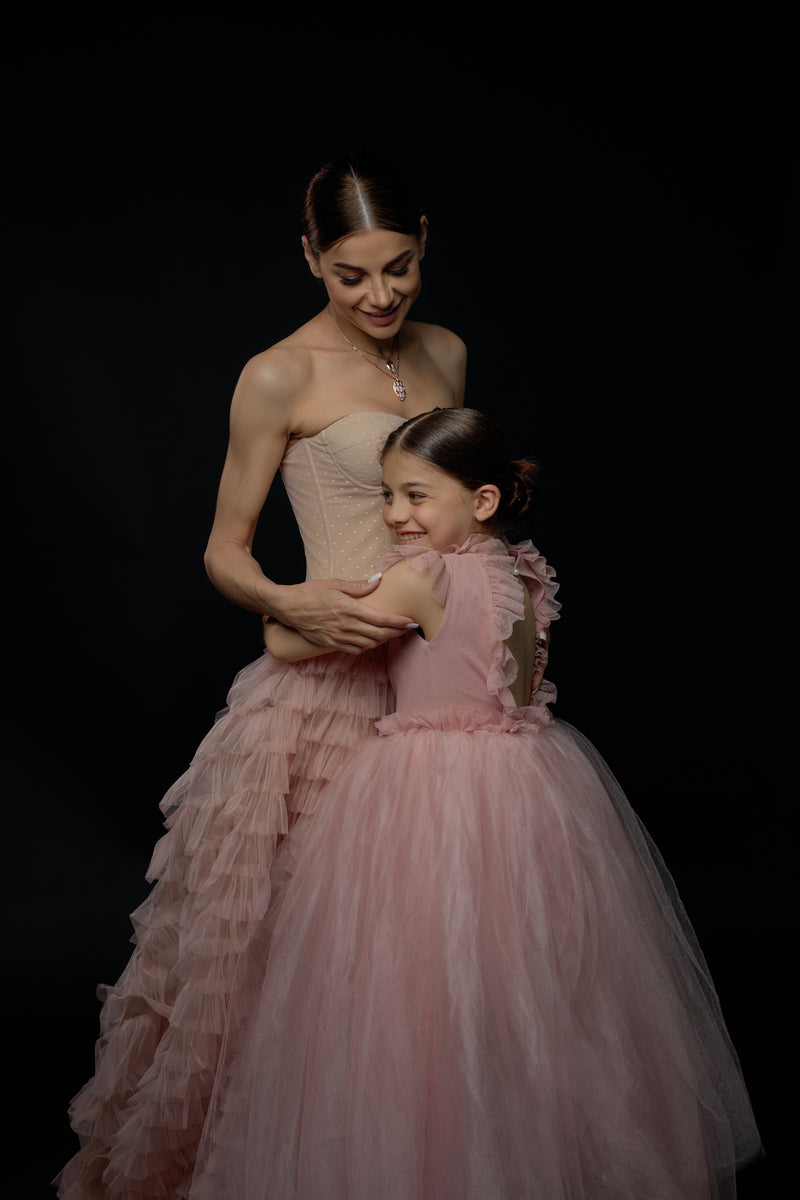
<point x="412" y="625"/>
<point x="372" y="578"/>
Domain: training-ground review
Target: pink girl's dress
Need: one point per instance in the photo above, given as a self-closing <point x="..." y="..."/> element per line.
<point x="286" y="731"/>
<point x="475" y="981"/>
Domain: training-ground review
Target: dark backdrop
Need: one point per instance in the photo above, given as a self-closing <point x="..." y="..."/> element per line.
<point x="607" y="233"/>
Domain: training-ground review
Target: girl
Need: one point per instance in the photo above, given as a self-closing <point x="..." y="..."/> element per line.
<point x="476" y="979"/>
<point x="318" y="405"/>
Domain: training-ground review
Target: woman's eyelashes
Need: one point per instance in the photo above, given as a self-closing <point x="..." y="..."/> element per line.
<point x="352" y="280"/>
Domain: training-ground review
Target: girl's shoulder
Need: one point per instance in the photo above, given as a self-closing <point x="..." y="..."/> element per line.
<point x="420" y="568"/>
<point x="415" y="572"/>
<point x="504" y="565"/>
<point x="422" y="560"/>
<point x="408" y="580"/>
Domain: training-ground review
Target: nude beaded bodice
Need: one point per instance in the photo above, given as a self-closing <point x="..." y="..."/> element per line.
<point x="333" y="483"/>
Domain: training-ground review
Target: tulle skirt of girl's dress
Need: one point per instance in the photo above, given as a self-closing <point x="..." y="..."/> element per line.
<point x="475" y="982"/>
<point x="286" y="731"/>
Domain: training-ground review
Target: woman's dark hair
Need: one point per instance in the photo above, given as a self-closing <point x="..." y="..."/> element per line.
<point x="356" y="193"/>
<point x="469" y="446"/>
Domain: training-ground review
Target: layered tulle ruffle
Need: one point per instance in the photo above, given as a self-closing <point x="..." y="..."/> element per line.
<point x="476" y="981"/>
<point x="286" y="731"/>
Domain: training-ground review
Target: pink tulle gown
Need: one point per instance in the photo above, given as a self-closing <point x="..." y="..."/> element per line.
<point x="475" y="980"/>
<point x="286" y="731"/>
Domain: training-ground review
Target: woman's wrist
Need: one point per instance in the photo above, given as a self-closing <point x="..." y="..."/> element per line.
<point x="288" y="603"/>
<point x="273" y="598"/>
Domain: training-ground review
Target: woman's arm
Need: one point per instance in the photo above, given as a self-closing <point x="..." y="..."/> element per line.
<point x="328" y="612"/>
<point x="260" y="427"/>
<point x="400" y="588"/>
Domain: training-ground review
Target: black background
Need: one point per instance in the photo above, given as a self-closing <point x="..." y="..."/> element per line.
<point x="609" y="234"/>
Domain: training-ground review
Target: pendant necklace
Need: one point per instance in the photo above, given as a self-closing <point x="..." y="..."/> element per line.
<point x="398" y="386"/>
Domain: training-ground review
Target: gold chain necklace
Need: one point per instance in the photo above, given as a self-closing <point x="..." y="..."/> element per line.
<point x="398" y="387"/>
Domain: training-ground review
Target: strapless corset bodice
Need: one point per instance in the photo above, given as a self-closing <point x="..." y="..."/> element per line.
<point x="333" y="481"/>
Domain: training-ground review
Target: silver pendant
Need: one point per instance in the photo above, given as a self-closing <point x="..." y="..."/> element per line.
<point x="397" y="384"/>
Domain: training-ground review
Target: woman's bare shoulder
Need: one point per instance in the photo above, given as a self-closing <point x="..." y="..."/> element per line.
<point x="437" y="338"/>
<point x="445" y="351"/>
<point x="274" y="378"/>
<point x="280" y="365"/>
<point x="285" y="367"/>
<point x="446" y="348"/>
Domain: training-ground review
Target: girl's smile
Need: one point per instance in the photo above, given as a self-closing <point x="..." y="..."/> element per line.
<point x="423" y="504"/>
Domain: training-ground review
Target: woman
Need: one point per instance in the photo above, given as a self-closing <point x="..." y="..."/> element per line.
<point x="318" y="405"/>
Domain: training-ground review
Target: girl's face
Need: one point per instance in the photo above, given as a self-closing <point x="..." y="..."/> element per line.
<point x="423" y="504"/>
<point x="372" y="280"/>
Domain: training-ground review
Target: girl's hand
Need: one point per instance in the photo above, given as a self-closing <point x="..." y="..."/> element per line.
<point x="329" y="613"/>
<point x="541" y="656"/>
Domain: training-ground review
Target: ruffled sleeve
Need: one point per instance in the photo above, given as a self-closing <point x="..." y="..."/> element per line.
<point x="506" y="567"/>
<point x="540" y="579"/>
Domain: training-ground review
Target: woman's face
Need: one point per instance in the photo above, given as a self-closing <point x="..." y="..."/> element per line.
<point x="372" y="280"/>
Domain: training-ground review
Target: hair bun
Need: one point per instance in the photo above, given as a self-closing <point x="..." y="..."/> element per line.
<point x="522" y="492"/>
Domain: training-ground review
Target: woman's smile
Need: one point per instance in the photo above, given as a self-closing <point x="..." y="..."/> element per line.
<point x="381" y="318"/>
<point x="372" y="279"/>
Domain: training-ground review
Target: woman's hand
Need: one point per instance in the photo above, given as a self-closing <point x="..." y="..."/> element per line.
<point x="330" y="614"/>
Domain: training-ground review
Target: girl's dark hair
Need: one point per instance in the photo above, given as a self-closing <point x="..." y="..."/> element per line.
<point x="356" y="193"/>
<point x="469" y="446"/>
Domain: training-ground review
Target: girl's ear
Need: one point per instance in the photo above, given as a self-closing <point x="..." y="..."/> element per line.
<point x="311" y="258"/>
<point x="487" y="502"/>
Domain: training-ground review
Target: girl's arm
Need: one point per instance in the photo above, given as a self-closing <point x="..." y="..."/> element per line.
<point x="287" y="644"/>
<point x="541" y="657"/>
<point x="401" y="589"/>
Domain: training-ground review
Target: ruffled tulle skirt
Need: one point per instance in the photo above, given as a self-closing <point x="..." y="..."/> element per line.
<point x="475" y="982"/>
<point x="286" y="731"/>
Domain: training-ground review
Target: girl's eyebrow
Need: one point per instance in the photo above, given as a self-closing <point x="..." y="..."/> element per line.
<point x="407" y="254"/>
